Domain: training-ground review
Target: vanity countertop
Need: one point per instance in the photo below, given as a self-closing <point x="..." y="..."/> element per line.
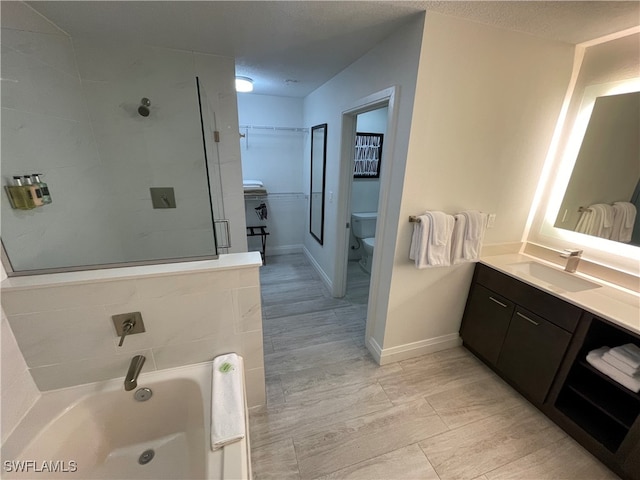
<point x="619" y="306"/>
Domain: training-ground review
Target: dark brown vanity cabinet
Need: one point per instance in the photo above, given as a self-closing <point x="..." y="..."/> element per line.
<point x="539" y="344"/>
<point x="532" y="352"/>
<point x="519" y="330"/>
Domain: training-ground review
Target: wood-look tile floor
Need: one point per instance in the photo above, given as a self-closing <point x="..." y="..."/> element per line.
<point x="333" y="413"/>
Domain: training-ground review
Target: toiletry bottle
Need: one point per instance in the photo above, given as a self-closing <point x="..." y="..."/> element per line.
<point x="36" y="193"/>
<point x="46" y="196"/>
<point x="19" y="195"/>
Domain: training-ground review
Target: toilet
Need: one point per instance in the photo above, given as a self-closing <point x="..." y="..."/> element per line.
<point x="363" y="227"/>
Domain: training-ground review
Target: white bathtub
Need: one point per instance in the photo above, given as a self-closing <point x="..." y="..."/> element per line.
<point x="99" y="431"/>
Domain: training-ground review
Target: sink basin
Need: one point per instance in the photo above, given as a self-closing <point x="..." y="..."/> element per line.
<point x="553" y="276"/>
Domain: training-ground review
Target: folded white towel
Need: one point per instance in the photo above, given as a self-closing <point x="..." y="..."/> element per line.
<point x="439" y="245"/>
<point x="476" y="223"/>
<point x="227" y="401"/>
<point x="252" y="183"/>
<point x="420" y="241"/>
<point x="620" y="365"/>
<point x="628" y="353"/>
<point x="624" y="217"/>
<point x="595" y="359"/>
<point x="457" y="239"/>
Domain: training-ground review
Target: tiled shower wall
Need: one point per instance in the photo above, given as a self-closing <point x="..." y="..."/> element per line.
<point x="69" y="111"/>
<point x="67" y="337"/>
<point x="18" y="392"/>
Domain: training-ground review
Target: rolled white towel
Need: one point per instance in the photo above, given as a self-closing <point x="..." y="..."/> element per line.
<point x="227" y="401"/>
<point x="628" y="353"/>
<point x="595" y="359"/>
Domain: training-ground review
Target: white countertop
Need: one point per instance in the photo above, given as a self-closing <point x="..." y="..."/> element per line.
<point x="616" y="304"/>
<point x="223" y="262"/>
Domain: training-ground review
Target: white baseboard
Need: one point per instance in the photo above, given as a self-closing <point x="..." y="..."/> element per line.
<point x="385" y="356"/>
<point x="323" y="276"/>
<point x="374" y="349"/>
<point x="283" y="249"/>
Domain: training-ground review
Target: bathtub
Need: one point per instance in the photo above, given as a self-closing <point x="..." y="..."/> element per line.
<point x="100" y="431"/>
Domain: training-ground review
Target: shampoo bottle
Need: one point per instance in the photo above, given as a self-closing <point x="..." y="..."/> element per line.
<point x="46" y="196"/>
<point x="36" y="193"/>
<point x="20" y="195"/>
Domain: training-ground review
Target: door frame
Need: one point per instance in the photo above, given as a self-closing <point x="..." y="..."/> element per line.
<point x="387" y="97"/>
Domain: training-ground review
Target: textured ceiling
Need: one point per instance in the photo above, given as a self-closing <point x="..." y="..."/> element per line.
<point x="292" y="47"/>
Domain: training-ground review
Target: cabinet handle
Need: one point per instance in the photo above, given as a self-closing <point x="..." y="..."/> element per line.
<point x="527" y="319"/>
<point x="498" y="302"/>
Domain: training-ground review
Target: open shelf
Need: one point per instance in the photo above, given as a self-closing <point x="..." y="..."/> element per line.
<point x="600" y="425"/>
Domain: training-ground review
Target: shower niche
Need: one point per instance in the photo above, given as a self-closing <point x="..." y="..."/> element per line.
<point x="128" y="150"/>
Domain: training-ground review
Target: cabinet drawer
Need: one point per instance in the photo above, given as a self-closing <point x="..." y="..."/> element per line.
<point x="485" y="322"/>
<point x="555" y="310"/>
<point x="531" y="353"/>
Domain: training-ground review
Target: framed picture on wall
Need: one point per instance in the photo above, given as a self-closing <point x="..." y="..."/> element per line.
<point x="368" y="154"/>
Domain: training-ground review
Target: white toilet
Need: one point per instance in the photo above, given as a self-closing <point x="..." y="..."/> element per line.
<point x="363" y="227"/>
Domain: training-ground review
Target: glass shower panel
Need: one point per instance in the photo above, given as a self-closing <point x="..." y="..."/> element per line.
<point x="123" y="156"/>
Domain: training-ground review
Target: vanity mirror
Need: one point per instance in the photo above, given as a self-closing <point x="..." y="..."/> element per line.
<point x="318" y="167"/>
<point x="606" y="172"/>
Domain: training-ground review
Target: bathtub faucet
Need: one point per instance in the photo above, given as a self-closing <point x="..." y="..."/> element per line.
<point x="131" y="380"/>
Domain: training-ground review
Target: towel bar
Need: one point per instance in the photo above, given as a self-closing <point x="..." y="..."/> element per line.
<point x="415" y="219"/>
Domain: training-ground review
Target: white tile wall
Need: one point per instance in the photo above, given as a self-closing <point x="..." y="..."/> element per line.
<point x="69" y="109"/>
<point x="66" y="334"/>
<point x="19" y="392"/>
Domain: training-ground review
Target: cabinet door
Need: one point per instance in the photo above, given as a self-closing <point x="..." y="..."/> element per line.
<point x="485" y="322"/>
<point x="532" y="352"/>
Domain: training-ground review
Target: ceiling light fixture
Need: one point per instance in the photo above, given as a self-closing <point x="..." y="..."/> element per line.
<point x="244" y="84"/>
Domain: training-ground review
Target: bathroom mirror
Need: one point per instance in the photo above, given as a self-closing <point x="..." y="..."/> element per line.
<point x="607" y="167"/>
<point x="318" y="168"/>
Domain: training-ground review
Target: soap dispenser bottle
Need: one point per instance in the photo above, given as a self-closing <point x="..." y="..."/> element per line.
<point x="36" y="193"/>
<point x="46" y="196"/>
<point x="20" y="195"/>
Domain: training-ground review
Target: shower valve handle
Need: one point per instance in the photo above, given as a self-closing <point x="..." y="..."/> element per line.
<point x="127" y="326"/>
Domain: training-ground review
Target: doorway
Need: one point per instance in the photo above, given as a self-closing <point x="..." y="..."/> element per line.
<point x="371" y="129"/>
<point x="376" y="310"/>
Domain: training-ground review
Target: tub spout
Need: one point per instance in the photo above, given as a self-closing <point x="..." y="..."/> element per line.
<point x="131" y="380"/>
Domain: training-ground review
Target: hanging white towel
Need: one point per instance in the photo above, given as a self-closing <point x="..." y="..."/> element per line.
<point x="585" y="223"/>
<point x="439" y="245"/>
<point x="595" y="359"/>
<point x="457" y="239"/>
<point x="227" y="401"/>
<point x="420" y="241"/>
<point x="628" y="353"/>
<point x="624" y="217"/>
<point x="476" y="224"/>
<point x="599" y="222"/>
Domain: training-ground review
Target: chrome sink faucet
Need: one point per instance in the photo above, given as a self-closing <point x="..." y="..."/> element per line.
<point x="573" y="259"/>
<point x="131" y="380"/>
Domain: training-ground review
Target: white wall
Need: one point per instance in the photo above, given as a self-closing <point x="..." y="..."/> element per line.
<point x="393" y="62"/>
<point x="275" y="157"/>
<point x="485" y="107"/>
<point x="63" y="326"/>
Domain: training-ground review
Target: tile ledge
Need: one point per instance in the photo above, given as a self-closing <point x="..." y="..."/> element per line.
<point x="230" y="261"/>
